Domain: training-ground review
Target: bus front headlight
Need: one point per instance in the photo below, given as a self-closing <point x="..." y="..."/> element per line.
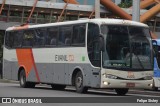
<point x="110" y="76"/>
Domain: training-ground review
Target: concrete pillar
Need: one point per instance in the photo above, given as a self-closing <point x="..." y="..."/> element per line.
<point x="8" y="12"/>
<point x="22" y="19"/>
<point x="51" y="13"/>
<point x="36" y="17"/>
<point x="97" y="8"/>
<point x="136" y="10"/>
<point x="85" y="2"/>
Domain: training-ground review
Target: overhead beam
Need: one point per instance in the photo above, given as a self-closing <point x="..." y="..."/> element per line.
<point x="2" y="6"/>
<point x="71" y="1"/>
<point x="146" y="3"/>
<point x="28" y="20"/>
<point x="150" y="13"/>
<point x="115" y="9"/>
<point x="111" y="6"/>
<point x="158" y="1"/>
<point x="90" y="16"/>
<point x="59" y="18"/>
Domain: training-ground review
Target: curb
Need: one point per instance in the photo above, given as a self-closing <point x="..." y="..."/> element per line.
<point x="8" y="81"/>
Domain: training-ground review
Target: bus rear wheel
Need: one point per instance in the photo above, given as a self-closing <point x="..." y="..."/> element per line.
<point x="121" y="91"/>
<point x="58" y="87"/>
<point x="79" y="83"/>
<point x="23" y="82"/>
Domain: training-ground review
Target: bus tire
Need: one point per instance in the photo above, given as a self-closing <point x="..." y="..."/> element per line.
<point x="79" y="83"/>
<point x="58" y="87"/>
<point x="121" y="91"/>
<point x="23" y="82"/>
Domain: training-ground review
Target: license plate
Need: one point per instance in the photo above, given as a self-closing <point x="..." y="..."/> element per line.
<point x="130" y="85"/>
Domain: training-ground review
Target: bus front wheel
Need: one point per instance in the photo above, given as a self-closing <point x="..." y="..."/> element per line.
<point x="79" y="83"/>
<point x="121" y="91"/>
<point x="23" y="82"/>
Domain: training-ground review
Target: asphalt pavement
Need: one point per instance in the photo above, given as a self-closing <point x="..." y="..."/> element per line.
<point x="12" y="89"/>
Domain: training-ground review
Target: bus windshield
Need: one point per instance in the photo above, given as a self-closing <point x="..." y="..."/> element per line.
<point x="127" y="47"/>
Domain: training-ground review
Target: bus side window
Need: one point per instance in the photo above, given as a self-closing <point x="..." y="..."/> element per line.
<point x="13" y="39"/>
<point x="28" y="38"/>
<point x="78" y="38"/>
<point x="51" y="38"/>
<point x="93" y="44"/>
<point x="9" y="39"/>
<point x="39" y="37"/>
<point x="17" y="39"/>
<point x="65" y="36"/>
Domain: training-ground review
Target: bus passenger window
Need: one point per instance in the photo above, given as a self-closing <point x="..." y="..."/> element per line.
<point x="17" y="38"/>
<point x="79" y="32"/>
<point x="14" y="39"/>
<point x="65" y="36"/>
<point x="39" y="37"/>
<point x="51" y="38"/>
<point x="28" y="38"/>
<point x="8" y="39"/>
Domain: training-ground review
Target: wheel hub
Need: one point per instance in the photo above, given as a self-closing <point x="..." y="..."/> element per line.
<point x="79" y="82"/>
<point x="22" y="79"/>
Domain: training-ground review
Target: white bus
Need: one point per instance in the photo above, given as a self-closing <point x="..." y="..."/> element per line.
<point x="91" y="53"/>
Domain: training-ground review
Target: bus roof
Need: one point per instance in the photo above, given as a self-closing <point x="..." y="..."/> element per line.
<point x="96" y="21"/>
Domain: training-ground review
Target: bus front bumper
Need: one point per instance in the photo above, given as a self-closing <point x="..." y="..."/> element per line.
<point x="116" y="83"/>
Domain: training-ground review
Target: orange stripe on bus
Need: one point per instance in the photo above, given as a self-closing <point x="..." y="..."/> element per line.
<point x="21" y="27"/>
<point x="34" y="65"/>
<point x="26" y="59"/>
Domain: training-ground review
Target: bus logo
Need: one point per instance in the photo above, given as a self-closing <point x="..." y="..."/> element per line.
<point x="130" y="75"/>
<point x="69" y="58"/>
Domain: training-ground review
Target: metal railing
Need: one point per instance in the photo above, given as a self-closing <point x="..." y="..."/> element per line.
<point x="24" y="19"/>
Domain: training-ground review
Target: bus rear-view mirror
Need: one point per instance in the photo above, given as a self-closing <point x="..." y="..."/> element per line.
<point x="101" y="42"/>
